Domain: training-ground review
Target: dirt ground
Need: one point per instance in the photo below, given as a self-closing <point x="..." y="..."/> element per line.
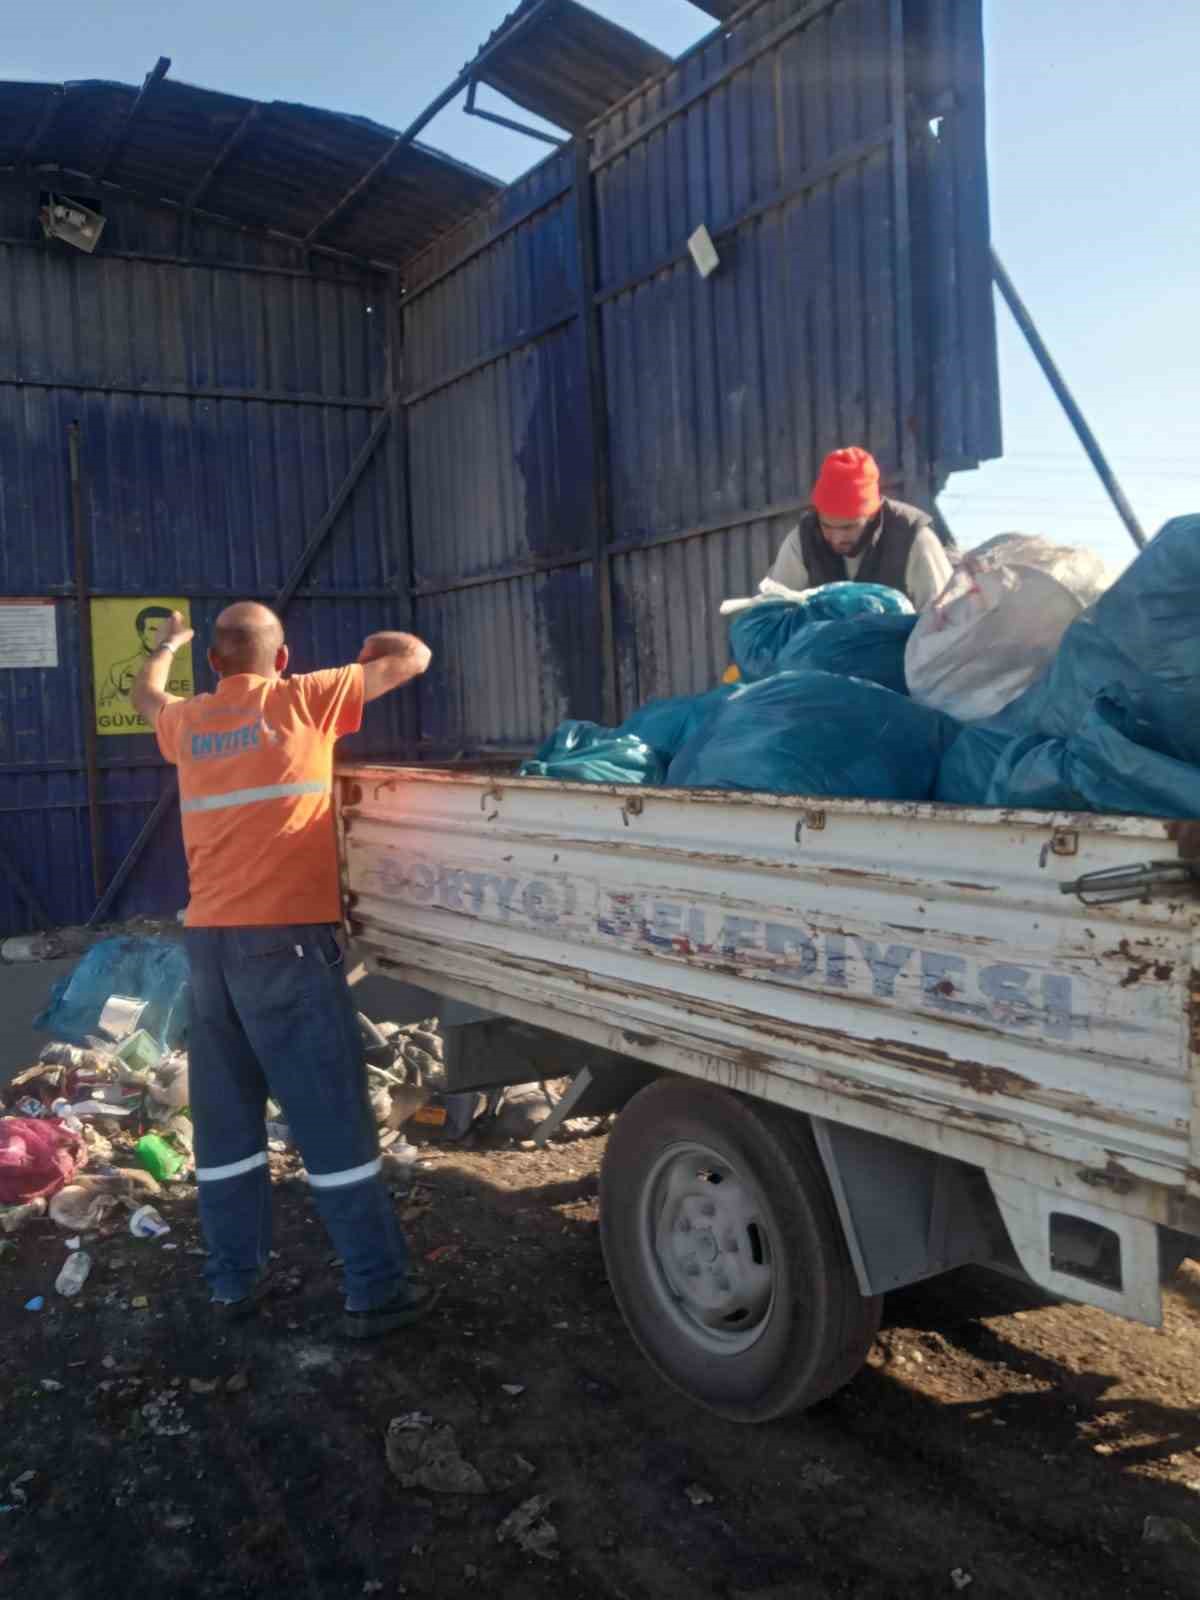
<point x="993" y="1445"/>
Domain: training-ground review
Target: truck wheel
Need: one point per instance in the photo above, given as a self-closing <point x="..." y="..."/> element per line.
<point x="725" y="1252"/>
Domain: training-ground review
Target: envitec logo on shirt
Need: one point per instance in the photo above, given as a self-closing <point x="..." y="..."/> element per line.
<point x="248" y="737"/>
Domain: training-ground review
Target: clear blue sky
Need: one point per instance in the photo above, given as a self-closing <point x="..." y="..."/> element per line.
<point x="1094" y="208"/>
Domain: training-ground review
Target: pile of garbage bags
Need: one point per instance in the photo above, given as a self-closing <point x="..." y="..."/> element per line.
<point x="1035" y="680"/>
<point x="763" y="627"/>
<point x="820" y="734"/>
<point x="1110" y="723"/>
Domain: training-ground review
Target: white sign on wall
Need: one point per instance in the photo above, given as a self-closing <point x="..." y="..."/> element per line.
<point x="28" y="634"/>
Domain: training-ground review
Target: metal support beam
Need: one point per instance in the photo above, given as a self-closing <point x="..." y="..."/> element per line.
<point x="525" y="337"/>
<point x="605" y="709"/>
<point x="135" y="853"/>
<point x="200" y="189"/>
<point x="323" y="528"/>
<point x="472" y="110"/>
<point x="86" y="685"/>
<point x="410" y="133"/>
<point x="183" y="391"/>
<point x="121" y="136"/>
<point x="1066" y="399"/>
<point x="509" y="225"/>
<point x="45" y="121"/>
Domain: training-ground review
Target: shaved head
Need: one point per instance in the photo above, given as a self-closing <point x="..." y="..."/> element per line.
<point x="247" y="638"/>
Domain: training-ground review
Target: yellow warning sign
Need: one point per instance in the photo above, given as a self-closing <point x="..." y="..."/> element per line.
<point x="124" y="632"/>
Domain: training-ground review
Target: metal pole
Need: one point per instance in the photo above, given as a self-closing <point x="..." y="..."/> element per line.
<point x="593" y="355"/>
<point x="87" y="691"/>
<point x="1066" y="399"/>
<point x="121" y="876"/>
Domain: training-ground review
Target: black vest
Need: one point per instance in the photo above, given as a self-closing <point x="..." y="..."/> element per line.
<point x="886" y="561"/>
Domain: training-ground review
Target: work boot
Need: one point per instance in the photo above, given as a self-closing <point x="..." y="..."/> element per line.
<point x="407" y="1306"/>
<point x="239" y="1310"/>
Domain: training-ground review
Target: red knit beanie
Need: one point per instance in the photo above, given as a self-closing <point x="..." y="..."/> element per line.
<point x="848" y="485"/>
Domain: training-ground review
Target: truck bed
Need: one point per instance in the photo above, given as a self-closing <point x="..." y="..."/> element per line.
<point x="911" y="970"/>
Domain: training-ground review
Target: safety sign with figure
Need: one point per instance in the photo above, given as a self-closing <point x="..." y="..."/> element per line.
<point x="124" y="632"/>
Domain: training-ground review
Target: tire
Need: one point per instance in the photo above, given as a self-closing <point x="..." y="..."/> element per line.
<point x="725" y="1252"/>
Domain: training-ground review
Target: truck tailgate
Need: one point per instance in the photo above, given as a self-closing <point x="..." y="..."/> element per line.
<point x="911" y="969"/>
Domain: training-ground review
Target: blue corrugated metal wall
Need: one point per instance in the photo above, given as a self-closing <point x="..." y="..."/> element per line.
<point x="501" y="469"/>
<point x="851" y="304"/>
<point x="593" y="445"/>
<point x="220" y="403"/>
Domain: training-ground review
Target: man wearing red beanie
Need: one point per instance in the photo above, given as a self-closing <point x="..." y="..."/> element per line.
<point x="853" y="532"/>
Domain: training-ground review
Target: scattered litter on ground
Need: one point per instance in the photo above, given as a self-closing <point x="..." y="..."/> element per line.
<point x="698" y="1495"/>
<point x="1170" y="1530"/>
<point x="423" y="1456"/>
<point x="528" y="1529"/>
<point x="163" y="1416"/>
<point x="74" y="1273"/>
<point x="147" y="1223"/>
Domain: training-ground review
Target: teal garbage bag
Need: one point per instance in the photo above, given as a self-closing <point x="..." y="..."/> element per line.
<point x="758" y="635"/>
<point x="140" y="968"/>
<point x="814" y="733"/>
<point x="1140" y="639"/>
<point x="584" y="752"/>
<point x="870" y="647"/>
<point x="667" y="725"/>
<point x="965" y="775"/>
<point x="1107" y="764"/>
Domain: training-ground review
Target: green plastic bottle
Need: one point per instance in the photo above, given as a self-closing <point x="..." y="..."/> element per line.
<point x="158" y="1158"/>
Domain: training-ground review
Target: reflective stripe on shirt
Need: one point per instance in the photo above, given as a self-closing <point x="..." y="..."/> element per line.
<point x="249" y="797"/>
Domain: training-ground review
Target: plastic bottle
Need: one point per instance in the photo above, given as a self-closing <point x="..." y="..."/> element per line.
<point x="157" y="1157"/>
<point x="62" y="1110"/>
<point x="74" y="1273"/>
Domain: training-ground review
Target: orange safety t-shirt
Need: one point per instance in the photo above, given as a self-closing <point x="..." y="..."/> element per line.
<point x="255" y="766"/>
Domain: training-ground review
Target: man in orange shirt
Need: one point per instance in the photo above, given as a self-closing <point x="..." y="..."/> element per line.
<point x="271" y="1009"/>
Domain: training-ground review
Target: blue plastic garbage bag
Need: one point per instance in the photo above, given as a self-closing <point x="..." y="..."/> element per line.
<point x="1141" y="639"/>
<point x="1105" y="765"/>
<point x="154" y="970"/>
<point x="759" y="634"/>
<point x="667" y="725"/>
<point x="584" y="752"/>
<point x="965" y="774"/>
<point x="817" y="734"/>
<point x="870" y="647"/>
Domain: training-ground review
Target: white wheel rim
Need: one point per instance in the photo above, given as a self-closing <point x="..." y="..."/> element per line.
<point x="708" y="1248"/>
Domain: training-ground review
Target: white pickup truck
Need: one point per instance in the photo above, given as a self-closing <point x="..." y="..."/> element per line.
<point x="853" y="1043"/>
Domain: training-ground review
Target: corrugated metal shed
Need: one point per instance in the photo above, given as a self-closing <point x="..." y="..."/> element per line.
<point x="225" y="407"/>
<point x="563" y="62"/>
<point x="591" y="445"/>
<point x="604" y="445"/>
<point x="291" y="170"/>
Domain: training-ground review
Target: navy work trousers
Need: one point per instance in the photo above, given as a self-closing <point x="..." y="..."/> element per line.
<point x="272" y="1015"/>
